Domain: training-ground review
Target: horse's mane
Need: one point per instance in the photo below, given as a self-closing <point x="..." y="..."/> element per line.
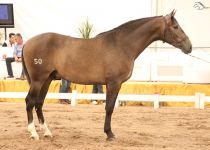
<point x="130" y="25"/>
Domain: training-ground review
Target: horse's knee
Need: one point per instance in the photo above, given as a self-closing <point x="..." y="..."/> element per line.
<point x="29" y="104"/>
<point x="109" y="110"/>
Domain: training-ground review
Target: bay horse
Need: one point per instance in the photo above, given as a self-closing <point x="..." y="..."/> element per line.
<point x="106" y="59"/>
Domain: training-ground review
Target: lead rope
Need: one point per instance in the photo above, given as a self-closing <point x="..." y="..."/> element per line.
<point x="198" y="58"/>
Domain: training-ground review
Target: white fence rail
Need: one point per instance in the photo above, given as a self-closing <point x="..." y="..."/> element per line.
<point x="199" y="99"/>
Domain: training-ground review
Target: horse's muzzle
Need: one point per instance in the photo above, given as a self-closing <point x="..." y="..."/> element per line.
<point x="186" y="46"/>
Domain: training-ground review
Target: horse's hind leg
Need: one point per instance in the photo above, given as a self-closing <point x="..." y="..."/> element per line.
<point x="31" y="98"/>
<point x="38" y="107"/>
<point x="111" y="96"/>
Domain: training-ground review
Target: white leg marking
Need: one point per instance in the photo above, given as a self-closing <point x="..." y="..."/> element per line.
<point x="32" y="129"/>
<point x="47" y="132"/>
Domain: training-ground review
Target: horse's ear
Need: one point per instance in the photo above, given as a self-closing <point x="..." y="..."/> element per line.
<point x="173" y="13"/>
<point x="170" y="16"/>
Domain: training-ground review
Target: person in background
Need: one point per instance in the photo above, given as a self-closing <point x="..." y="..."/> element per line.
<point x="97" y="88"/>
<point x="10" y="42"/>
<point x="17" y="56"/>
<point x="65" y="84"/>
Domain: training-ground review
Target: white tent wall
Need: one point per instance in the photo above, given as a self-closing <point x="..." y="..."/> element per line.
<point x="33" y="17"/>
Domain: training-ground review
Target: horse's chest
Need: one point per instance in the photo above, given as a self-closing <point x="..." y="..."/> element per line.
<point x="125" y="70"/>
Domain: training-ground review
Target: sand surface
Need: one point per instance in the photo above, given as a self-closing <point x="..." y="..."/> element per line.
<point x="81" y="128"/>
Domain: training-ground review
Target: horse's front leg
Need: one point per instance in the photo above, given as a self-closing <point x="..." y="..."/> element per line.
<point x="111" y="96"/>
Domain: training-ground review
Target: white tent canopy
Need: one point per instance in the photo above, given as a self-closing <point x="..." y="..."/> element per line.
<point x="65" y="16"/>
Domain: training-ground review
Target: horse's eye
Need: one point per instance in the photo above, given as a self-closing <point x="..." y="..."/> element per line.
<point x="176" y="27"/>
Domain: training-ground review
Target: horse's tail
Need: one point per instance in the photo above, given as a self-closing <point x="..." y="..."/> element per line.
<point x="25" y="69"/>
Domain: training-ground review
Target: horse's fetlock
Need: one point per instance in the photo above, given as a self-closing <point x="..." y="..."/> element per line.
<point x="47" y="132"/>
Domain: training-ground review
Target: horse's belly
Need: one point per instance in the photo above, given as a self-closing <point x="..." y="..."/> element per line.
<point x="83" y="76"/>
<point x="83" y="79"/>
<point x="91" y="73"/>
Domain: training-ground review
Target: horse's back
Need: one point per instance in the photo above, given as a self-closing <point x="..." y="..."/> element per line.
<point x="45" y="40"/>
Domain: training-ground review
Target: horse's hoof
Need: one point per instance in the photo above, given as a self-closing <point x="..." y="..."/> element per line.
<point x="48" y="135"/>
<point x="34" y="137"/>
<point x="110" y="139"/>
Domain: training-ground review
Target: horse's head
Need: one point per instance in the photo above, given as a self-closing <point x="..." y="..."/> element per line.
<point x="174" y="35"/>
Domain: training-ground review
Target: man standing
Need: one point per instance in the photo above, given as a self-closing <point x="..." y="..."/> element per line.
<point x="65" y="84"/>
<point x="97" y="88"/>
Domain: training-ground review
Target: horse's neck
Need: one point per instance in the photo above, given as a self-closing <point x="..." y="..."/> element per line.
<point x="137" y="40"/>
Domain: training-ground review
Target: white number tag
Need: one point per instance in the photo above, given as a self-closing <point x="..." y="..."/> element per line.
<point x="37" y="61"/>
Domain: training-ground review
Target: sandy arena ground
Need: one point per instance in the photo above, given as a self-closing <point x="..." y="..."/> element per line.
<point x="81" y="128"/>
